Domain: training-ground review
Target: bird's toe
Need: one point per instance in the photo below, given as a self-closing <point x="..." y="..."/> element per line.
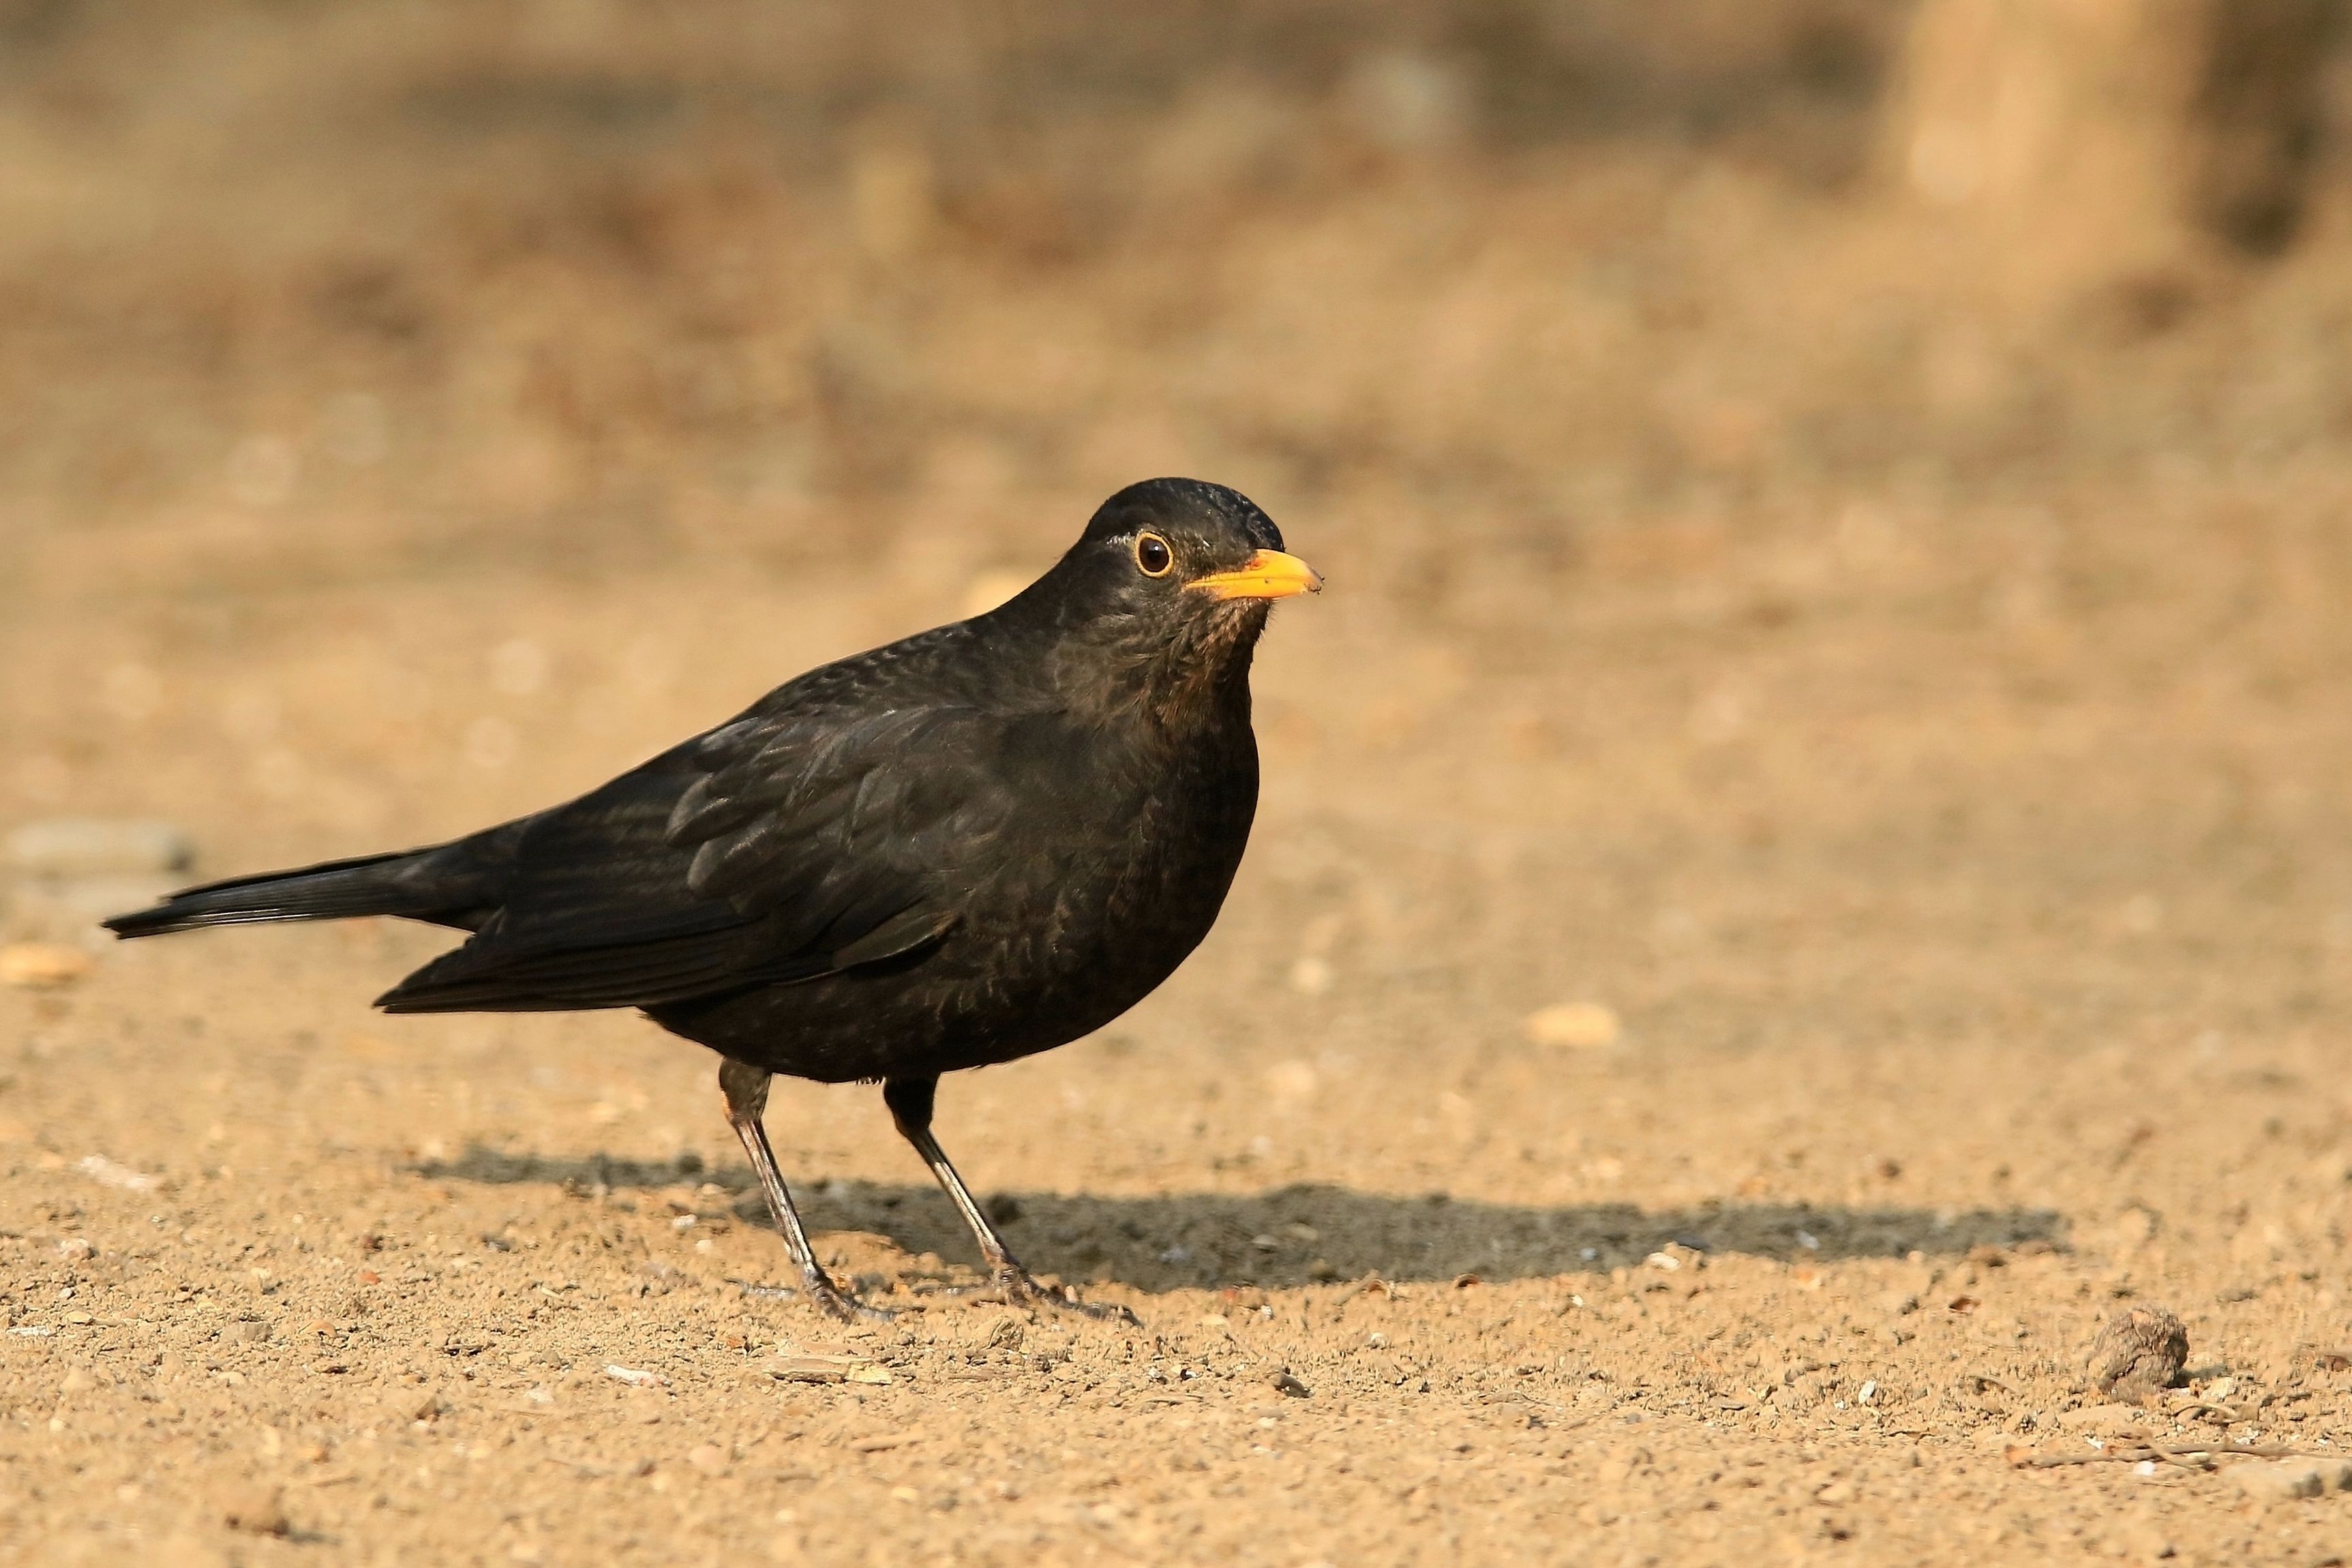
<point x="1021" y="1289"/>
<point x="825" y="1296"/>
<point x="838" y="1303"/>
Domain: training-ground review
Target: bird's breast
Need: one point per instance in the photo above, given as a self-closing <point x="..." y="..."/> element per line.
<point x="1116" y="881"/>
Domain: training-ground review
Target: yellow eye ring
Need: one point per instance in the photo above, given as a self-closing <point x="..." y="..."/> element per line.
<point x="1152" y="557"/>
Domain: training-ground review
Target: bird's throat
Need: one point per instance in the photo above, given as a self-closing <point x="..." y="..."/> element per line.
<point x="1178" y="679"/>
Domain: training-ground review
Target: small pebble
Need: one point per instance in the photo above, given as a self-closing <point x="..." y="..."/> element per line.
<point x="76" y="1247"/>
<point x="636" y="1378"/>
<point x="1291" y="1080"/>
<point x="707" y="1457"/>
<point x="42" y="964"/>
<point x="107" y="1173"/>
<point x="1581" y="1025"/>
<point x="2138" y="1354"/>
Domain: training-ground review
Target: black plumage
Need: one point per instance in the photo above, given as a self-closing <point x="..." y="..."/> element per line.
<point x="964" y="848"/>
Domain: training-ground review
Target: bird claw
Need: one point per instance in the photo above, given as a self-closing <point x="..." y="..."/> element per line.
<point x="824" y="1295"/>
<point x="1021" y="1289"/>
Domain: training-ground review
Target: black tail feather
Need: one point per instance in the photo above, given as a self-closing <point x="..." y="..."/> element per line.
<point x="370" y="885"/>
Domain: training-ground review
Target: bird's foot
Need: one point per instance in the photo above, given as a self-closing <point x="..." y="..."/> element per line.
<point x="1021" y="1289"/>
<point x="820" y="1291"/>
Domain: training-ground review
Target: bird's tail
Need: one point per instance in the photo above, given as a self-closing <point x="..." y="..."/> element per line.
<point x="415" y="883"/>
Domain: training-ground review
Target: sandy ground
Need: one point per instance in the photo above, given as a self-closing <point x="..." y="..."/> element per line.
<point x="1975" y="925"/>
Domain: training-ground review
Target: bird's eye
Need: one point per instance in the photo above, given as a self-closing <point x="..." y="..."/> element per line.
<point x="1152" y="554"/>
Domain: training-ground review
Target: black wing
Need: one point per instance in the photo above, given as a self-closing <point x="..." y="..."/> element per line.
<point x="787" y="844"/>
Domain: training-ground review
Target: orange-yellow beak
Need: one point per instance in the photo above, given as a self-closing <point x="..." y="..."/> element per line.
<point x="1268" y="575"/>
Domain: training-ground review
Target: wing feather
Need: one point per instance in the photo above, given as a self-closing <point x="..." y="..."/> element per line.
<point x="792" y="843"/>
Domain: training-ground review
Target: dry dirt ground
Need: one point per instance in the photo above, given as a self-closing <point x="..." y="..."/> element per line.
<point x="1975" y="914"/>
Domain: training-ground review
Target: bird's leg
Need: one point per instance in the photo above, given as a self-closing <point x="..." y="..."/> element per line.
<point x="910" y="1100"/>
<point x="746" y="1092"/>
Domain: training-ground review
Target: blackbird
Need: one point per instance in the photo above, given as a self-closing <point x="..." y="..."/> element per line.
<point x="967" y="847"/>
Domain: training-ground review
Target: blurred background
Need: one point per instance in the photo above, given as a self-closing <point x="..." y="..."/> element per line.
<point x="1785" y="469"/>
<point x="379" y="289"/>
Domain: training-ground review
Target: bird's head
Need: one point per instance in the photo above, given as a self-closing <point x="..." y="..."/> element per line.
<point x="1170" y="582"/>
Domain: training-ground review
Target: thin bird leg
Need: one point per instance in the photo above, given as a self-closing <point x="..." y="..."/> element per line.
<point x="746" y="1092"/>
<point x="910" y="1101"/>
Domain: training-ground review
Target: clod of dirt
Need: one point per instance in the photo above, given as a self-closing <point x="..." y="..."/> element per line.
<point x="825" y="1369"/>
<point x="2286" y="1481"/>
<point x="1289" y="1387"/>
<point x="2138" y="1354"/>
<point x="256" y="1510"/>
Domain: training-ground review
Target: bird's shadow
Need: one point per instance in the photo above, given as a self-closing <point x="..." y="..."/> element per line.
<point x="1296" y="1235"/>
